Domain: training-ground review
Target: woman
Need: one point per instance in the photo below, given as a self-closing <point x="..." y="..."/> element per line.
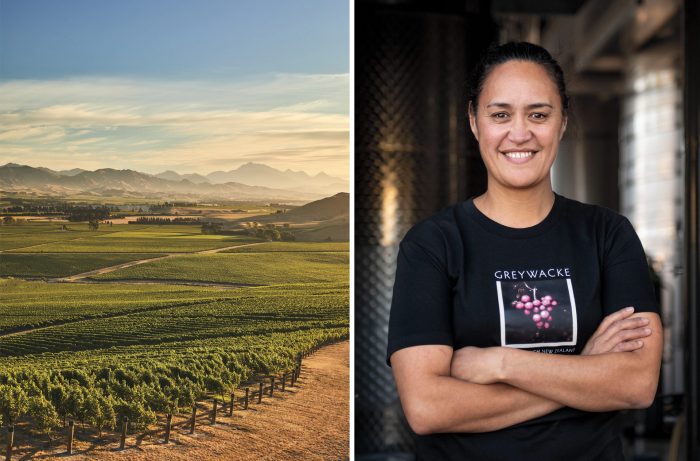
<point x="522" y="321"/>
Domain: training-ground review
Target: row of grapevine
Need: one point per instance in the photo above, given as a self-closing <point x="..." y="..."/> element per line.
<point x="103" y="396"/>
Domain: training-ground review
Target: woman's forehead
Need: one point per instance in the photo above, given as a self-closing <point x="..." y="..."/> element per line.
<point x="519" y="83"/>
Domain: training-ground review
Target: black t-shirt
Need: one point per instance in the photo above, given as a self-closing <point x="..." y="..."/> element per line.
<point x="465" y="280"/>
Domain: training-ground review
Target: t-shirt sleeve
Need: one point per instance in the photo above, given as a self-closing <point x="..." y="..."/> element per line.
<point x="421" y="305"/>
<point x="626" y="279"/>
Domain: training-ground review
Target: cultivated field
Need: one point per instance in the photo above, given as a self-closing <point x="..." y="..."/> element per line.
<point x="212" y="313"/>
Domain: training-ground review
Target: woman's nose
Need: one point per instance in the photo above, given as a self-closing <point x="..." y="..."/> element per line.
<point x="519" y="131"/>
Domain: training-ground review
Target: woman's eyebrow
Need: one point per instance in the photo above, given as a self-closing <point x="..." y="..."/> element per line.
<point x="534" y="105"/>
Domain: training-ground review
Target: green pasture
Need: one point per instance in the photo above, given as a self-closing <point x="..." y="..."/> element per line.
<point x="105" y="244"/>
<point x="119" y="238"/>
<point x="60" y="265"/>
<point x="292" y="247"/>
<point x="242" y="268"/>
<point x="23" y="237"/>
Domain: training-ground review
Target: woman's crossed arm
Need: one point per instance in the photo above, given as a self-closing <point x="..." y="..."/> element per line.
<point x="479" y="390"/>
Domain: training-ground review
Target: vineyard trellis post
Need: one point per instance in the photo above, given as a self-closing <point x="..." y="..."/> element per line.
<point x="260" y="393"/>
<point x="272" y="385"/>
<point x="125" y="425"/>
<point x="168" y="424"/>
<point x="284" y="380"/>
<point x="233" y="400"/>
<point x="213" y="413"/>
<point x="10" y="442"/>
<point x="245" y="406"/>
<point x="194" y="417"/>
<point x="71" y="434"/>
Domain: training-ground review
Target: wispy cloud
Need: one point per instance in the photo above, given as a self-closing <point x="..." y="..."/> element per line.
<point x="287" y="121"/>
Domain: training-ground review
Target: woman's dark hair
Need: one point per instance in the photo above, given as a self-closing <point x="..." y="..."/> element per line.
<point x="516" y="51"/>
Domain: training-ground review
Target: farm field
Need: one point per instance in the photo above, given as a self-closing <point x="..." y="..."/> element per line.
<point x="30" y="234"/>
<point x="103" y="347"/>
<point x="119" y="238"/>
<point x="242" y="268"/>
<point x="292" y="247"/>
<point x="61" y="265"/>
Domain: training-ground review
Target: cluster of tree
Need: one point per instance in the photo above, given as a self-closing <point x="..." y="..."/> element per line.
<point x="8" y="220"/>
<point x="164" y="207"/>
<point x="101" y="397"/>
<point x="49" y="208"/>
<point x="212" y="228"/>
<point x="89" y="213"/>
<point x="160" y="221"/>
<point x="271" y="232"/>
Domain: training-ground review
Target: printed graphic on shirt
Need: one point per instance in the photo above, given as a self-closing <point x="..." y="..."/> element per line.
<point x="538" y="312"/>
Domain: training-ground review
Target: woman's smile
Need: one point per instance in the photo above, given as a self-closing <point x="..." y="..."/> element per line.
<point x="519" y="156"/>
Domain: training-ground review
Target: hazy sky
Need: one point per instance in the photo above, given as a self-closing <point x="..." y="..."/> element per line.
<point x="184" y="85"/>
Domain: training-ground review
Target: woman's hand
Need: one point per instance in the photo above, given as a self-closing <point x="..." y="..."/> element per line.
<point x="477" y="365"/>
<point x="618" y="332"/>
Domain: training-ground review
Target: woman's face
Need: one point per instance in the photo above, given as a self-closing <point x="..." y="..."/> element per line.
<point x="518" y="124"/>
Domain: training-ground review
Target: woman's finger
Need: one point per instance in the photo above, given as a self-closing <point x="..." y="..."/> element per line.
<point x="622" y="325"/>
<point x="615" y="316"/>
<point x="628" y="335"/>
<point x="628" y="346"/>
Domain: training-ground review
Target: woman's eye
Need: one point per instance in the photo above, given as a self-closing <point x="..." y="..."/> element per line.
<point x="500" y="115"/>
<point x="538" y="116"/>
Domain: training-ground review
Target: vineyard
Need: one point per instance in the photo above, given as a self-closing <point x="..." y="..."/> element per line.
<point x="105" y="348"/>
<point x="119" y="238"/>
<point x="243" y="268"/>
<point x="61" y="265"/>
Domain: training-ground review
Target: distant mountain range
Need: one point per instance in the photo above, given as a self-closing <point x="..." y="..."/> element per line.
<point x="261" y="183"/>
<point x="257" y="174"/>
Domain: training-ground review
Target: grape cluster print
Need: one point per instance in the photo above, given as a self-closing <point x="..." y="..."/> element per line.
<point x="539" y="310"/>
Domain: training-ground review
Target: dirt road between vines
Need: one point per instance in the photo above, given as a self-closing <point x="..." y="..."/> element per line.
<point x="307" y="422"/>
<point x="107" y="270"/>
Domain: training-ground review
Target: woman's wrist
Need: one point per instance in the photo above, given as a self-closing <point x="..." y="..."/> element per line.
<point x="505" y="359"/>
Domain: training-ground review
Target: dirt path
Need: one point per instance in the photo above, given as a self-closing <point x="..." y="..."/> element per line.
<point x="308" y="422"/>
<point x="106" y="270"/>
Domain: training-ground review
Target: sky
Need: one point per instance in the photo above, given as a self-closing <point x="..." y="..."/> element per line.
<point x="192" y="86"/>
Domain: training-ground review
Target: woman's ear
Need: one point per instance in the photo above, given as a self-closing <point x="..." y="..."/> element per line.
<point x="472" y="121"/>
<point x="564" y="120"/>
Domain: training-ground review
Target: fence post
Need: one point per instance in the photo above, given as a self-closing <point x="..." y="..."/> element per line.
<point x="168" y="423"/>
<point x="122" y="440"/>
<point x="194" y="416"/>
<point x="10" y="442"/>
<point x="71" y="433"/>
<point x="260" y="393"/>
<point x="272" y="385"/>
<point x="233" y="400"/>
<point x="213" y="413"/>
<point x="284" y="380"/>
<point x="245" y="405"/>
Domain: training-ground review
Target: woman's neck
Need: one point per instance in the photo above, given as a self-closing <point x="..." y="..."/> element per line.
<point x="516" y="208"/>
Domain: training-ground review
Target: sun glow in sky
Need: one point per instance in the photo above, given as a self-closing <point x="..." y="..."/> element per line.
<point x="184" y="85"/>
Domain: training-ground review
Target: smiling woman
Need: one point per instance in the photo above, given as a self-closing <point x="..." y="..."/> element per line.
<point x="522" y="321"/>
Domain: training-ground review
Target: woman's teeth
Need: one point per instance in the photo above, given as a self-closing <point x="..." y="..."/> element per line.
<point x="519" y="154"/>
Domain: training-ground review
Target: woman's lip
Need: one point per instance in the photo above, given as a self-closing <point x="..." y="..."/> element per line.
<point x="519" y="157"/>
